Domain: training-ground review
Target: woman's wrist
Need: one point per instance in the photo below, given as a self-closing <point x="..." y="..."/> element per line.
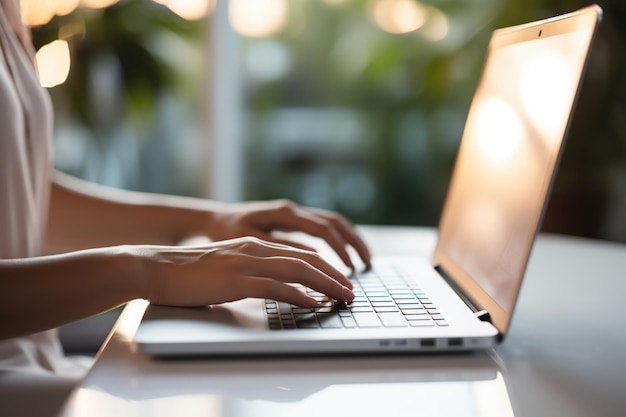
<point x="130" y="263"/>
<point x="189" y="217"/>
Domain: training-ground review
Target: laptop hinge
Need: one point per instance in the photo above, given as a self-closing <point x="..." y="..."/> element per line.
<point x="479" y="312"/>
<point x="483" y="315"/>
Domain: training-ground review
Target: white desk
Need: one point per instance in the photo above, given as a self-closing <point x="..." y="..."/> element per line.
<point x="565" y="355"/>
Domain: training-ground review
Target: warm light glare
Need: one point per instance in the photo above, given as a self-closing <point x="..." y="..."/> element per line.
<point x="97" y="4"/>
<point x="437" y="26"/>
<point x="498" y="129"/>
<point x="40" y="12"/>
<point x="53" y="63"/>
<point x="546" y="92"/>
<point x="132" y="314"/>
<point x="65" y="7"/>
<point x="257" y="18"/>
<point x="398" y="16"/>
<point x="189" y="9"/>
<point x="37" y="12"/>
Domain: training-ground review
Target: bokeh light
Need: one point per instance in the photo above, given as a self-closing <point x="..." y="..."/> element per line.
<point x="53" y="63"/>
<point x="398" y="16"/>
<point x="257" y="18"/>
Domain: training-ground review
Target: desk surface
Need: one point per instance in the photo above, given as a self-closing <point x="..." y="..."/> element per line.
<point x="565" y="355"/>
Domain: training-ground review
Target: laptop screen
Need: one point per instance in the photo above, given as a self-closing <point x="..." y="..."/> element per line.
<point x="508" y="154"/>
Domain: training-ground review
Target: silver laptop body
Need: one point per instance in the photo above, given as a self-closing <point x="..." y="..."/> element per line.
<point x="502" y="177"/>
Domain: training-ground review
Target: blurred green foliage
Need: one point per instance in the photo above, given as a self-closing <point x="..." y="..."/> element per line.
<point x="131" y="63"/>
<point x="413" y="95"/>
<point x="123" y="33"/>
<point x="377" y="118"/>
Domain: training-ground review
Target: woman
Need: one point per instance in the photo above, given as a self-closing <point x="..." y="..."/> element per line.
<point x="106" y="247"/>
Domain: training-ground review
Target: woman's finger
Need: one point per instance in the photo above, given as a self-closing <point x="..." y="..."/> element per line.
<point x="296" y="266"/>
<point x="347" y="231"/>
<point x="259" y="287"/>
<point x="290" y="218"/>
<point x="298" y="271"/>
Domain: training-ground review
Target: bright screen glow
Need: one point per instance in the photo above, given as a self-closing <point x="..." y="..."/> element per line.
<point x="510" y="145"/>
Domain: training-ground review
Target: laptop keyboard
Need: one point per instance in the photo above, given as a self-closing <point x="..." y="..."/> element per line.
<point x="383" y="298"/>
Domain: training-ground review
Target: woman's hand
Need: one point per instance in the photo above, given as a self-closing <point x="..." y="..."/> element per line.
<point x="235" y="269"/>
<point x="260" y="219"/>
<point x="47" y="291"/>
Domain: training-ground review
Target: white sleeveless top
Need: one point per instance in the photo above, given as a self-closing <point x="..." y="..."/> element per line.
<point x="25" y="176"/>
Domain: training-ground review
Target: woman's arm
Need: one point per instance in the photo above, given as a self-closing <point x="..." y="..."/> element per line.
<point x="84" y="215"/>
<point x="44" y="292"/>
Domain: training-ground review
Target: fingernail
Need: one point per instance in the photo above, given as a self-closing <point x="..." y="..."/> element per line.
<point x="348" y="295"/>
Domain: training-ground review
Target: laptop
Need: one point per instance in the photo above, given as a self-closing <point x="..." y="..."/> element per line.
<point x="463" y="298"/>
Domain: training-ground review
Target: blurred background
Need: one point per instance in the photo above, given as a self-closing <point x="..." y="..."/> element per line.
<point x="351" y="105"/>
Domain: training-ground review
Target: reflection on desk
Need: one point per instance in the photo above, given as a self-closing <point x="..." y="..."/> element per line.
<point x="364" y="386"/>
<point x="281" y="397"/>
